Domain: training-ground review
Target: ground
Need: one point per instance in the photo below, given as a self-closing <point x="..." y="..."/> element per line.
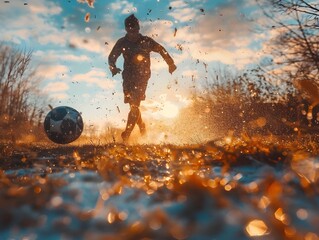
<point x="264" y="188"/>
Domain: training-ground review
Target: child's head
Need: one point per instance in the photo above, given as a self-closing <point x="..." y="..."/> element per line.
<point x="132" y="24"/>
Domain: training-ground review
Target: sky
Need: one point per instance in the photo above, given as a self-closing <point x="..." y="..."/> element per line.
<point x="71" y="41"/>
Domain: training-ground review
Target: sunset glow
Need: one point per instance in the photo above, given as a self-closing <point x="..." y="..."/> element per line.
<point x="169" y="110"/>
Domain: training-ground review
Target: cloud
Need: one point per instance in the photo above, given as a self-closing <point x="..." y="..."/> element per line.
<point x="56" y="87"/>
<point x="34" y="7"/>
<point x="51" y="71"/>
<point x="88" y="44"/>
<point x="178" y="4"/>
<point x="95" y="77"/>
<point x="33" y="21"/>
<point x="53" y="36"/>
<point x="224" y="26"/>
<point x="123" y="6"/>
<point x="239" y="57"/>
<point x="56" y="90"/>
<point x="37" y="23"/>
<point x="75" y="58"/>
<point x="221" y="34"/>
<point x="185" y="11"/>
<point x="183" y="14"/>
<point x="86" y="41"/>
<point x="161" y="30"/>
<point x="44" y="8"/>
<point x="59" y="96"/>
<point x="52" y="56"/>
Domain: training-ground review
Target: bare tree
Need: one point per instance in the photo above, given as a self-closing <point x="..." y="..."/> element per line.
<point x="20" y="103"/>
<point x="296" y="45"/>
<point x="295" y="49"/>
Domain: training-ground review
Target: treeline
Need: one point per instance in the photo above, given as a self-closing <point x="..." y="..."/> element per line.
<point x="21" y="104"/>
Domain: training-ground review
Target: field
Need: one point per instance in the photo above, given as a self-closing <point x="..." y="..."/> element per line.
<point x="265" y="188"/>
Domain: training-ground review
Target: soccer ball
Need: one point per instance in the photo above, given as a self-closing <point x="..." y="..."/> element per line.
<point x="63" y="125"/>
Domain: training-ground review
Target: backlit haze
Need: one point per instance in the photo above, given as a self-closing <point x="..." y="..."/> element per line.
<point x="71" y="41"/>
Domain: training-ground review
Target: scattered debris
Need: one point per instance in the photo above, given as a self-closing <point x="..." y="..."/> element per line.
<point x="87" y="17"/>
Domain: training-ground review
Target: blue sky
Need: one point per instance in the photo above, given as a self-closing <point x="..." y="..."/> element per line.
<point x="70" y="52"/>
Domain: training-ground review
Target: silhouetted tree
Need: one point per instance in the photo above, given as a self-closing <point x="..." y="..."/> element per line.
<point x="295" y="50"/>
<point x="20" y="103"/>
<point x="295" y="45"/>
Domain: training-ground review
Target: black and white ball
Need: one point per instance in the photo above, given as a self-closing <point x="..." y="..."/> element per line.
<point x="63" y="125"/>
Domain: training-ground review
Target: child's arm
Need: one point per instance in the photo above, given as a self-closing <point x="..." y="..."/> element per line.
<point x="114" y="54"/>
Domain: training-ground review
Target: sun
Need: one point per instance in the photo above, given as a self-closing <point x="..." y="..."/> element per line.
<point x="169" y="110"/>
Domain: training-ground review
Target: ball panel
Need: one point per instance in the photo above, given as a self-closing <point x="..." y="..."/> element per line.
<point x="68" y="127"/>
<point x="58" y="113"/>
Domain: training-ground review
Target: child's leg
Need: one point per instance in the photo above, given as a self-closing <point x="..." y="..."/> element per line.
<point x="134" y="116"/>
<point x="141" y="124"/>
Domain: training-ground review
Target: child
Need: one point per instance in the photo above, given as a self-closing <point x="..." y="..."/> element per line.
<point x="136" y="50"/>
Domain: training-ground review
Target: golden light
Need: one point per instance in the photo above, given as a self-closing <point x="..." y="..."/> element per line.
<point x="212" y="183"/>
<point x="228" y="187"/>
<point x="256" y="228"/>
<point x="169" y="110"/>
<point x="111" y="217"/>
<point x="264" y="202"/>
<point x="280" y="215"/>
<point x="37" y="189"/>
<point x="311" y="236"/>
<point x="139" y="57"/>
<point x="290" y="231"/>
